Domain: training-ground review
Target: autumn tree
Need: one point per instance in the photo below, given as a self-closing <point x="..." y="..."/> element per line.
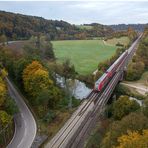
<point x="133" y="140"/>
<point x="36" y="78"/>
<point x="2" y="92"/>
<point x="132" y="122"/>
<point x="134" y="73"/>
<point x="3" y="39"/>
<point x="123" y="106"/>
<point x="140" y="59"/>
<point x="132" y="34"/>
<point x="3" y="73"/>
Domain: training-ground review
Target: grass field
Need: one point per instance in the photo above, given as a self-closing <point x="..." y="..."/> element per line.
<point x="122" y="40"/>
<point x="84" y="54"/>
<point x="85" y="27"/>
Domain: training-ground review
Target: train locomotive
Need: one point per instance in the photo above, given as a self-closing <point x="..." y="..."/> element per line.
<point x="106" y="77"/>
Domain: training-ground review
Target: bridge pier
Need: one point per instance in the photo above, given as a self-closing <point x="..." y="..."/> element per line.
<point x="122" y="76"/>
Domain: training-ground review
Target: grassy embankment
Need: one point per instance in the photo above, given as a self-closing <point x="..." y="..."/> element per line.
<point x="86" y="54"/>
<point x="141" y="83"/>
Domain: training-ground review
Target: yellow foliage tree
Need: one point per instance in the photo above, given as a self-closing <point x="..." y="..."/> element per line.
<point x="4" y="73"/>
<point x="36" y="78"/>
<point x="2" y="91"/>
<point x="4" y="118"/>
<point x="134" y="140"/>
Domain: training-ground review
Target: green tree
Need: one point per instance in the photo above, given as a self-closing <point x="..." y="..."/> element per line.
<point x="54" y="97"/>
<point x="19" y="66"/>
<point x="10" y="106"/>
<point x="145" y="107"/>
<point x="68" y="72"/>
<point x="32" y="51"/>
<point x="48" y="51"/>
<point x="4" y="118"/>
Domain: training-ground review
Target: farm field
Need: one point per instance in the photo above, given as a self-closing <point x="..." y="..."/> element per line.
<point x="84" y="54"/>
<point x="122" y="40"/>
<point x="85" y="27"/>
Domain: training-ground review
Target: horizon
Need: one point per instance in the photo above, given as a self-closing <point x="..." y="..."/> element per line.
<point x="74" y="24"/>
<point x="82" y="13"/>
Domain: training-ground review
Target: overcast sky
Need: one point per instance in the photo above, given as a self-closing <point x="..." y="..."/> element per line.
<point x="79" y="12"/>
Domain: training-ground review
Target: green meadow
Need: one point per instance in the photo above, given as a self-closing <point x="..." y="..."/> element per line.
<point x="84" y="54"/>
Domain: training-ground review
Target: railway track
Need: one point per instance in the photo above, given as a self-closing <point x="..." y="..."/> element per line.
<point x="77" y="140"/>
<point x="68" y="128"/>
<point x="75" y="131"/>
<point x="77" y="123"/>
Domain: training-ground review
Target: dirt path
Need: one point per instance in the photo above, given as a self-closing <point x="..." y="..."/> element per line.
<point x="142" y="89"/>
<point x="104" y="42"/>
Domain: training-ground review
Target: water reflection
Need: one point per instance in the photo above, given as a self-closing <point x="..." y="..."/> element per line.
<point x="80" y="90"/>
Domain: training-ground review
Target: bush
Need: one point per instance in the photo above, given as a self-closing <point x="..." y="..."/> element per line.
<point x="132" y="122"/>
<point x="123" y="106"/>
<point x="10" y="106"/>
<point x="119" y="44"/>
<point x="49" y="116"/>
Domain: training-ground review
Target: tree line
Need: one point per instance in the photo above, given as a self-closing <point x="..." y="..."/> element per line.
<point x="139" y="63"/>
<point x="18" y="26"/>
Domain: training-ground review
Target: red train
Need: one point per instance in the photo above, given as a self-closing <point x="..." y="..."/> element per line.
<point x="105" y="78"/>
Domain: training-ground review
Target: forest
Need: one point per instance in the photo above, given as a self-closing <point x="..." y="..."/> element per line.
<point x="122" y="27"/>
<point x="33" y="70"/>
<point x="18" y="26"/>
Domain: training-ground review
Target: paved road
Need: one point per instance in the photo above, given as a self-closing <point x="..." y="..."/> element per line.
<point x="25" y="125"/>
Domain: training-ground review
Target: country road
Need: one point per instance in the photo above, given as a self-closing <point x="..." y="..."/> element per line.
<point x="25" y="125"/>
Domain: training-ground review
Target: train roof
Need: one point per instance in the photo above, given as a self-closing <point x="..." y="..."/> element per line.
<point x="112" y="66"/>
<point x="101" y="78"/>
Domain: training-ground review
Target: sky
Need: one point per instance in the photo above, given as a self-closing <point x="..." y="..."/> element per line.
<point x="80" y="12"/>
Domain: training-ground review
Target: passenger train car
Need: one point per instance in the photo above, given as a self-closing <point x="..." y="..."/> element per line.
<point x="105" y="78"/>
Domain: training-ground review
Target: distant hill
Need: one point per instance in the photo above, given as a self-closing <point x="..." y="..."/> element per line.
<point x="122" y="27"/>
<point x="19" y="26"/>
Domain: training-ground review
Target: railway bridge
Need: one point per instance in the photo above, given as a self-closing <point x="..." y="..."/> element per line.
<point x="78" y="127"/>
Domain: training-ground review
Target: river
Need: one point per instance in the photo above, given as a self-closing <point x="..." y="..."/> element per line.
<point x="80" y="90"/>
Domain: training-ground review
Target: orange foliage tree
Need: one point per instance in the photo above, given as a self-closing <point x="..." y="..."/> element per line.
<point x="36" y="79"/>
<point x="134" y="140"/>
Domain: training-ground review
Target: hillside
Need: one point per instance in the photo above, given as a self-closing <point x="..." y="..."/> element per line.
<point x="18" y="26"/>
<point x="122" y="27"/>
